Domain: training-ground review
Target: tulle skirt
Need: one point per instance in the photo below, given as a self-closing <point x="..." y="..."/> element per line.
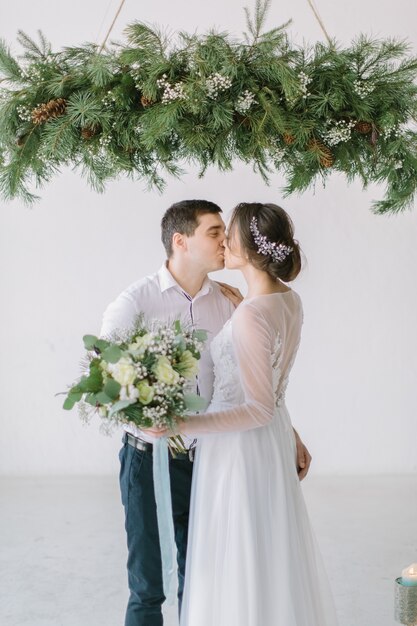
<point x="252" y="559"/>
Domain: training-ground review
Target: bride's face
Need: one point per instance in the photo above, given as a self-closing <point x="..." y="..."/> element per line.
<point x="234" y="258"/>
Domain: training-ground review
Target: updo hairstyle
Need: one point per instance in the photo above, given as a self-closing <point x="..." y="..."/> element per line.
<point x="273" y="223"/>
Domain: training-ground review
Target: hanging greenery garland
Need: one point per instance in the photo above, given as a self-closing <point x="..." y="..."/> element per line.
<point x="150" y="106"/>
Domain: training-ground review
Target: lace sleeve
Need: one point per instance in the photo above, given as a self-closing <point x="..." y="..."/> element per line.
<point x="253" y="342"/>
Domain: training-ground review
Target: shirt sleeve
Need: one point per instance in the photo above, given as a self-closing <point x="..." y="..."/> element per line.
<point x="120" y="315"/>
<point x="253" y="342"/>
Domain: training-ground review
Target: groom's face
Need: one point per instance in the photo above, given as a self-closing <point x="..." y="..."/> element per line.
<point x="205" y="247"/>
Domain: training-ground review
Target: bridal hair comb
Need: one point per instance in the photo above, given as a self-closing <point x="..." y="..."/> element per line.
<point x="278" y="251"/>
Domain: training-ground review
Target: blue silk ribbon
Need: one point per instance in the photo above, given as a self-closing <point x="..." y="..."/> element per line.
<point x="162" y="487"/>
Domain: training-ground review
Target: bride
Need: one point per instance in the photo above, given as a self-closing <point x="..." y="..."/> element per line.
<point x="252" y="558"/>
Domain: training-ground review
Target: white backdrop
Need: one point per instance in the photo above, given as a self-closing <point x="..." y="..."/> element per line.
<point x="353" y="389"/>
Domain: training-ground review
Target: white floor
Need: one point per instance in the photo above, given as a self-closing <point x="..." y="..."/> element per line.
<point x="62" y="548"/>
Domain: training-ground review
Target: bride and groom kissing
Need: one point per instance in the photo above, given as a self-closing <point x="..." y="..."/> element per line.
<point x="246" y="554"/>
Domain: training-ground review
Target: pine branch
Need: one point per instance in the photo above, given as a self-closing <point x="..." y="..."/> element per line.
<point x="79" y="55"/>
<point x="256" y="22"/>
<point x="84" y="109"/>
<point x="34" y="51"/>
<point x="143" y="37"/>
<point x="14" y="179"/>
<point x="100" y="70"/>
<point x="9" y="67"/>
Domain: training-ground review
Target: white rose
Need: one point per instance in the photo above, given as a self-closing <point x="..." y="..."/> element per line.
<point x="188" y="365"/>
<point x="123" y="372"/>
<point x="145" y="391"/>
<point x="141" y="343"/>
<point x="164" y="371"/>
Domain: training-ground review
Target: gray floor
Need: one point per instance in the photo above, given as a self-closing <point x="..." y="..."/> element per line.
<point x="62" y="559"/>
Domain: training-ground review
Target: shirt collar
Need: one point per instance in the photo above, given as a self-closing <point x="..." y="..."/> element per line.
<point x="167" y="281"/>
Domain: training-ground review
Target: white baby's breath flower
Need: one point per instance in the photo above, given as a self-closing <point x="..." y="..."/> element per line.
<point x="217" y="83"/>
<point x="129" y="392"/>
<point x="245" y="101"/>
<point x="132" y="392"/>
<point x="171" y="92"/>
<point x="339" y="131"/>
<point x="305" y="80"/>
<point x="363" y="88"/>
<point x="24" y="113"/>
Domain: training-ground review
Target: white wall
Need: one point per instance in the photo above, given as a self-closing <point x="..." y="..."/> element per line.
<point x="353" y="390"/>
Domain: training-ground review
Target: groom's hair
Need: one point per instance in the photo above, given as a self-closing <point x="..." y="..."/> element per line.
<point x="182" y="217"/>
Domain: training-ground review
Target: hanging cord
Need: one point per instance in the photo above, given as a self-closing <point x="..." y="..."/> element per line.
<point x="100" y="29"/>
<point x="310" y="2"/>
<point x="111" y="26"/>
<point x="320" y="21"/>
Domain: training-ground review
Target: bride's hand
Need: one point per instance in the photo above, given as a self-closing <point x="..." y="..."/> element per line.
<point x="157" y="431"/>
<point x="180" y="425"/>
<point x="164" y="431"/>
<point x="232" y="293"/>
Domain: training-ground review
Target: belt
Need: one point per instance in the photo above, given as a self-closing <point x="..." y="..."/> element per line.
<point x="145" y="446"/>
<point x="137" y="443"/>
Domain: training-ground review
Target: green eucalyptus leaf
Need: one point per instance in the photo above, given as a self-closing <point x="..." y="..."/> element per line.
<point x="74" y="395"/>
<point x="179" y="341"/>
<point x="102" y="344"/>
<point x="89" y="341"/>
<point x="112" y="354"/>
<point x="112" y="388"/>
<point x="68" y="403"/>
<point x="91" y="398"/>
<point x="103" y="398"/>
<point x="82" y="384"/>
<point x="118" y="406"/>
<point x="200" y="335"/>
<point x="94" y="381"/>
<point x="194" y="402"/>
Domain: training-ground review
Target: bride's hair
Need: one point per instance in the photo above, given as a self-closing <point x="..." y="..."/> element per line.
<point x="253" y="220"/>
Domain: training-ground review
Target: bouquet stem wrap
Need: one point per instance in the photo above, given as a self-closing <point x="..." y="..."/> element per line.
<point x="163" y="500"/>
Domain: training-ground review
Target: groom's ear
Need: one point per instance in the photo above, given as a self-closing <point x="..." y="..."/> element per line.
<point x="179" y="242"/>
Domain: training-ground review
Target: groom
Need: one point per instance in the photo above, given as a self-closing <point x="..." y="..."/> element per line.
<point x="193" y="234"/>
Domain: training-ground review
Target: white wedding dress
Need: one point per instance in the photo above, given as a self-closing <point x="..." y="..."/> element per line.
<point x="252" y="559"/>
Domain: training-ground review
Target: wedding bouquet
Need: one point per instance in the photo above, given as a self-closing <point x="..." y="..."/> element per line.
<point x="143" y="376"/>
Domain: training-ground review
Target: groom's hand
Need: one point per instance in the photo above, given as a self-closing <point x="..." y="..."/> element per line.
<point x="303" y="457"/>
<point x="232" y="293"/>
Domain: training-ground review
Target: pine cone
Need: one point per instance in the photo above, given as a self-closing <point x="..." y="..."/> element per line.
<point x="288" y="138"/>
<point x="88" y="132"/>
<point x="363" y="127"/>
<point x="145" y="102"/>
<point x="21" y="137"/>
<point x="48" y="110"/>
<point x="325" y="154"/>
<point x="239" y="118"/>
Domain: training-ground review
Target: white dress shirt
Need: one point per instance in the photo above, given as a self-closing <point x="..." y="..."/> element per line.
<point x="159" y="297"/>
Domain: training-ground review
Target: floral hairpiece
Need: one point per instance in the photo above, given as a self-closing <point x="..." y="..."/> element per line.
<point x="278" y="251"/>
